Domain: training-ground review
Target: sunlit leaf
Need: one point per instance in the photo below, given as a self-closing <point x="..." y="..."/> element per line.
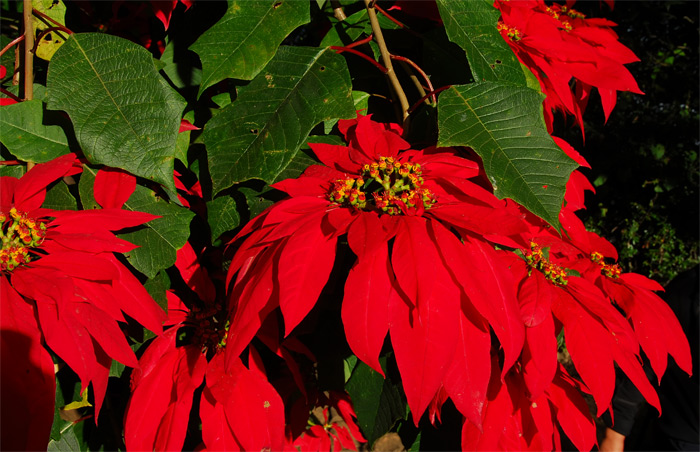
<point x="246" y="38"/>
<point x="23" y="132"/>
<point x="159" y="239"/>
<point x="124" y="115"/>
<point x="472" y="26"/>
<point x="260" y="133"/>
<point x="503" y="124"/>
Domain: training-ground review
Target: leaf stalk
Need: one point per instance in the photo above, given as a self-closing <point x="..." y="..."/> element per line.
<point x="386" y="59"/>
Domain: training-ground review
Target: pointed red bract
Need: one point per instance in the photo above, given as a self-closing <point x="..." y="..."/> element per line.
<point x="62" y="262"/>
<point x="27" y="384"/>
<point x="365" y="309"/>
<point x="424" y="340"/>
<point x="304" y="265"/>
<point x="113" y="187"/>
<point x="572" y="412"/>
<point x="467" y="377"/>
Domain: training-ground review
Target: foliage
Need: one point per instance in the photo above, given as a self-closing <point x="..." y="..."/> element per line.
<point x="290" y="225"/>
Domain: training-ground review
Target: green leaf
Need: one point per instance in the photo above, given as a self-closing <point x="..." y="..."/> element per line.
<point x="222" y="216"/>
<point x="361" y="101"/>
<point x="70" y="441"/>
<point x="86" y="188"/>
<point x="157" y="288"/>
<point x="261" y="132"/>
<point x="67" y="390"/>
<point x="182" y="145"/>
<point x="50" y="42"/>
<point x="256" y="200"/>
<point x="7" y="59"/>
<point x="304" y="158"/>
<point x="59" y="197"/>
<point x="159" y="239"/>
<point x="377" y="401"/>
<point x="241" y="43"/>
<point x="349" y="364"/>
<point x="180" y="66"/>
<point x="23" y="133"/>
<point x="504" y="125"/>
<point x="472" y="26"/>
<point x="15" y="171"/>
<point x="343" y="32"/>
<point x="298" y="165"/>
<point x="124" y="113"/>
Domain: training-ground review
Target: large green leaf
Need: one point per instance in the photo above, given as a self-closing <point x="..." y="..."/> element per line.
<point x="258" y="135"/>
<point x="378" y="402"/>
<point x="159" y="239"/>
<point x="124" y="114"/>
<point x="246" y="38"/>
<point x="503" y="123"/>
<point x="23" y="133"/>
<point x="58" y="197"/>
<point x="222" y="215"/>
<point x="472" y="26"/>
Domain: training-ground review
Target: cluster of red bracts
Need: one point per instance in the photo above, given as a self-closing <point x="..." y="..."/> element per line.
<point x="70" y="293"/>
<point x="439" y="279"/>
<point x="560" y="45"/>
<point x="440" y="264"/>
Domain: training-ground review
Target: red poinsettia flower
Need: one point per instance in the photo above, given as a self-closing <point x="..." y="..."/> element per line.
<point x="402" y="211"/>
<point x="655" y="326"/>
<point x="62" y="284"/>
<point x="566" y="284"/>
<point x="333" y="425"/>
<point x="513" y="420"/>
<point x="558" y="44"/>
<point x="190" y="353"/>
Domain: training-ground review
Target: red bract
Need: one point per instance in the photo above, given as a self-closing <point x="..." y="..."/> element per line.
<point x="163" y="9"/>
<point x="558" y="44"/>
<point x="333" y="425"/>
<point x="62" y="283"/>
<point x="239" y="408"/>
<point x="413" y="278"/>
<point x="566" y="284"/>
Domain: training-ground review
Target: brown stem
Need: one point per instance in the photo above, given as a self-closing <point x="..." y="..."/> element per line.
<point x="414" y="79"/>
<point x="338" y="10"/>
<point x="28" y="55"/>
<point x="18" y="61"/>
<point x="10" y="95"/>
<point x="405" y="61"/>
<point x="432" y="93"/>
<point x="386" y="59"/>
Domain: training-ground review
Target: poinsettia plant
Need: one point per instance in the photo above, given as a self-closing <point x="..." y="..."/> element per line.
<point x="289" y="225"/>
